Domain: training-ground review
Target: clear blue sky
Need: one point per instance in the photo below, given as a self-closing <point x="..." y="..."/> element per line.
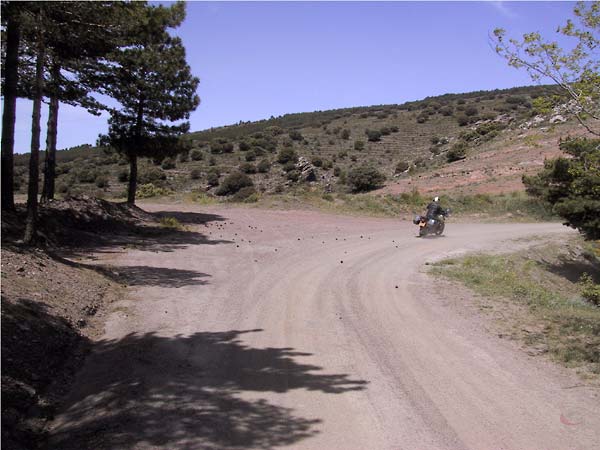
<point x="255" y="60"/>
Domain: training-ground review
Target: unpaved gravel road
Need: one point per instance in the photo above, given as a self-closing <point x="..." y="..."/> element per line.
<point x="304" y="330"/>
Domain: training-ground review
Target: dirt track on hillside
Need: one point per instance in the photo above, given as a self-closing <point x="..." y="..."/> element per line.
<point x="303" y="330"/>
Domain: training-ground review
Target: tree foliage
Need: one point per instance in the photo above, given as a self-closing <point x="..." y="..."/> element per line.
<point x="574" y="69"/>
<point x="572" y="185"/>
<point x="156" y="91"/>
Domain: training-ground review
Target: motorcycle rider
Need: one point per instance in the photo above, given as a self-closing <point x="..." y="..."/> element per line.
<point x="435" y="210"/>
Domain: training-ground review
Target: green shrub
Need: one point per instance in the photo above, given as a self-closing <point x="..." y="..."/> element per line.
<point x="246" y="194"/>
<point x="196" y="155"/>
<point x="293" y="175"/>
<point x="233" y="183"/>
<point x="184" y="157"/>
<point x="248" y="168"/>
<point x="421" y="118"/>
<point x="244" y="146"/>
<point x="327" y="164"/>
<point x="337" y="171"/>
<point x="250" y="156"/>
<point x="151" y="175"/>
<point x="373" y="135"/>
<point x="358" y="145"/>
<point x="471" y="111"/>
<point x="287" y="155"/>
<point x="195" y="174"/>
<point x="317" y="161"/>
<point x="289" y="166"/>
<point x="168" y="164"/>
<point x="295" y="135"/>
<point x="394" y="128"/>
<point x="212" y="161"/>
<point x="457" y="152"/>
<point x="212" y="178"/>
<point x="345" y="134"/>
<point x="365" y="178"/>
<point x="149" y="190"/>
<point x="171" y="222"/>
<point x="462" y="120"/>
<point x="590" y="290"/>
<point x="385" y="131"/>
<point x="221" y="145"/>
<point x="402" y="166"/>
<point x="123" y="175"/>
<point x="264" y="166"/>
<point x="446" y="111"/>
<point x="87" y="176"/>
<point x="62" y="188"/>
<point x="101" y="181"/>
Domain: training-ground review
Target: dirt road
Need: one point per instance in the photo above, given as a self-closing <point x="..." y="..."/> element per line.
<point x="303" y="330"/>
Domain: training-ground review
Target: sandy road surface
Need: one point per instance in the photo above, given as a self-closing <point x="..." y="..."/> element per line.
<point x="261" y="337"/>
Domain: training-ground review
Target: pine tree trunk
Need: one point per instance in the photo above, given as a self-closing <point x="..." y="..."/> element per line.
<point x="8" y="117"/>
<point x="34" y="158"/>
<point x="132" y="180"/>
<point x="51" y="138"/>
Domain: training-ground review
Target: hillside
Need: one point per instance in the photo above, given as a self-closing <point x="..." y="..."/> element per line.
<point x="476" y="142"/>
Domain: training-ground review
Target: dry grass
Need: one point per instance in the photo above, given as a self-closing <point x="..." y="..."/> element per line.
<point x="540" y="296"/>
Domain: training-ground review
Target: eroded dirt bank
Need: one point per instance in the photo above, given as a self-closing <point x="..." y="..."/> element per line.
<point x="270" y="329"/>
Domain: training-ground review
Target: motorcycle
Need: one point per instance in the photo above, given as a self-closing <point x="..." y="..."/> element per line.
<point x="431" y="226"/>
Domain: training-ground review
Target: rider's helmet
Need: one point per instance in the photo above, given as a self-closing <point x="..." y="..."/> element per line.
<point x="436" y="199"/>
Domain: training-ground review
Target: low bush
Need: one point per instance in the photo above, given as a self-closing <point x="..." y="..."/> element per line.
<point x="402" y="166"/>
<point x="462" y="120"/>
<point x="364" y="178"/>
<point x="233" y="183"/>
<point x="358" y="145"/>
<point x="123" y="175"/>
<point x="248" y="168"/>
<point x="250" y="156"/>
<point x="287" y="155"/>
<point x="295" y="135"/>
<point x="151" y="175"/>
<point x="87" y="176"/>
<point x="293" y="175"/>
<point x="220" y="146"/>
<point x="196" y="155"/>
<point x="471" y="111"/>
<point x="263" y="166"/>
<point x="590" y="290"/>
<point x="317" y="161"/>
<point x="171" y="222"/>
<point x="246" y="194"/>
<point x="149" y="190"/>
<point x="457" y="152"/>
<point x="373" y="135"/>
<point x="168" y="164"/>
<point x="195" y="174"/>
<point x="212" y="178"/>
<point x="101" y="181"/>
<point x="345" y="134"/>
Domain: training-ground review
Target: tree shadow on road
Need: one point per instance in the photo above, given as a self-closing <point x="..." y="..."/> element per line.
<point x="189" y="218"/>
<point x="151" y="276"/>
<point x="186" y="392"/>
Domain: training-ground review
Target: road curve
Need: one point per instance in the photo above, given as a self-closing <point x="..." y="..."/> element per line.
<point x="265" y="329"/>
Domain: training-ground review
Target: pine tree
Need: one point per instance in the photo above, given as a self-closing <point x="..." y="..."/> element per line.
<point x="153" y="84"/>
